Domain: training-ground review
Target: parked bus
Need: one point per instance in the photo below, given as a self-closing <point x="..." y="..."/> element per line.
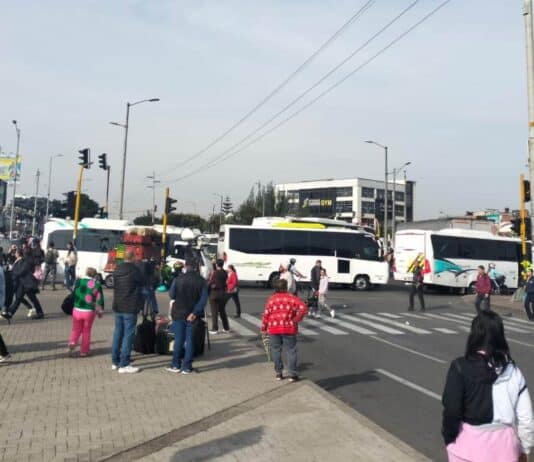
<point x="453" y="255"/>
<point x="350" y="257"/>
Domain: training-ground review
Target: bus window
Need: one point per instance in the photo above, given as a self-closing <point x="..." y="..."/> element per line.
<point x="60" y="238"/>
<point x="445" y="247"/>
<point x="323" y="244"/>
<point x="296" y="242"/>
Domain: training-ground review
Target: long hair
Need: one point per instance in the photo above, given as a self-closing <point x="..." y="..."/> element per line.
<point x="487" y="336"/>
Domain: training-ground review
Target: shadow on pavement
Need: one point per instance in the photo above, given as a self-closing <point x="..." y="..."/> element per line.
<point x="220" y="446"/>
<point x="333" y="383"/>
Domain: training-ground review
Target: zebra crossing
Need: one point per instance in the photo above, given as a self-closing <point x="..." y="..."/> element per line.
<point x="445" y="323"/>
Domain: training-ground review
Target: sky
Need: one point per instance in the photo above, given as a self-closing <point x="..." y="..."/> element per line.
<point x="450" y="97"/>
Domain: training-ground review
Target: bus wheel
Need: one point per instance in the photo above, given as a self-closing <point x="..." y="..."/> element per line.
<point x="361" y="282"/>
<point x="108" y="282"/>
<point x="471" y="289"/>
<point x="272" y="279"/>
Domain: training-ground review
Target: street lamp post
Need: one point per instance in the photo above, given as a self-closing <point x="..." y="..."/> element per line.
<point x="49" y="185"/>
<point x="385" y="148"/>
<point x="34" y="220"/>
<point x="153" y="180"/>
<point x="15" y="174"/>
<point x="221" y="209"/>
<point x="126" y="126"/>
<point x="394" y="218"/>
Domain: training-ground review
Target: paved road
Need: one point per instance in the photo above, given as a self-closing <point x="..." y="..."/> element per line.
<point x="388" y="364"/>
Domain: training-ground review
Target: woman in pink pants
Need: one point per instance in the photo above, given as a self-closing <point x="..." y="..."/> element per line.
<point x="88" y="303"/>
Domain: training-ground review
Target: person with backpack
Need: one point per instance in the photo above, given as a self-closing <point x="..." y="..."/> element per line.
<point x="189" y="295"/>
<point x="50" y="259"/>
<point x="487" y="411"/>
<point x="283" y="311"/>
<point x="71" y="260"/>
<point x="127" y="303"/>
<point x="88" y="304"/>
<point x="417" y="288"/>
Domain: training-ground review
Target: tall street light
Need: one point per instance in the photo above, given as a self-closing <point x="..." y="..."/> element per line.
<point x="221" y="209"/>
<point x="15" y="175"/>
<point x="154" y="182"/>
<point x="126" y="126"/>
<point x="394" y="223"/>
<point x="49" y="184"/>
<point x="385" y="148"/>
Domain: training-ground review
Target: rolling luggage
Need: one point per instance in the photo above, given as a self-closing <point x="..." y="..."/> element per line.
<point x="164" y="342"/>
<point x="165" y="339"/>
<point x="145" y="335"/>
<point x="199" y="337"/>
<point x="68" y="304"/>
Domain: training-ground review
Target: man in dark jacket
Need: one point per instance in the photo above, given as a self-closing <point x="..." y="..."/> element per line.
<point x="315" y="276"/>
<point x="189" y="293"/>
<point x="483" y="290"/>
<point x="127" y="303"/>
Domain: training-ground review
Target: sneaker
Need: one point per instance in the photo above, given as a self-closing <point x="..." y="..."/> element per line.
<point x="128" y="370"/>
<point x="6" y="315"/>
<point x="213" y="332"/>
<point x="174" y="370"/>
<point x="226" y="331"/>
<point x="332" y="313"/>
<point x="114" y="367"/>
<point x="5" y="358"/>
<point x="71" y="349"/>
<point x="85" y="355"/>
<point x="293" y="379"/>
<point x="38" y="316"/>
<point x="187" y="371"/>
<point x="279" y="377"/>
<point x="30" y="313"/>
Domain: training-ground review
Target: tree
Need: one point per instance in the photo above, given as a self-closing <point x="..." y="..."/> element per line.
<point x="145" y="220"/>
<point x="187" y="220"/>
<point x="88" y="207"/>
<point x="260" y="200"/>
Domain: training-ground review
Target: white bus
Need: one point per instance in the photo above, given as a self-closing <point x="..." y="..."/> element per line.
<point x="349" y="256"/>
<point x="453" y="255"/>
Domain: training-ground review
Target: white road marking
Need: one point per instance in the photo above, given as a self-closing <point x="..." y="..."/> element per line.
<point x="389" y="315"/>
<point x="403" y="348"/>
<point x="323" y="326"/>
<point x="507" y="325"/>
<point x="413" y="315"/>
<point x="521" y="321"/>
<point x="445" y="318"/>
<point x="464" y="328"/>
<point x="374" y="325"/>
<point x="415" y="330"/>
<point x="257" y="322"/>
<point x="352" y="327"/>
<point x="242" y="330"/>
<point x="409" y="384"/>
<point x="443" y="330"/>
<point x="520" y="343"/>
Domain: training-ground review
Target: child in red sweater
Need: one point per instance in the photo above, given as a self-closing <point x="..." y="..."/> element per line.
<point x="283" y="312"/>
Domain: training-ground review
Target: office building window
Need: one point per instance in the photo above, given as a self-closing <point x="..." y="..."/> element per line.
<point x="399" y="196"/>
<point x="399" y="210"/>
<point x="368" y="192"/>
<point x="368" y="207"/>
<point x="344" y="192"/>
<point x="343" y="206"/>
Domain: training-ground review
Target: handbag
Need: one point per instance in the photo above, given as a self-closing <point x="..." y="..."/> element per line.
<point x="38" y="273"/>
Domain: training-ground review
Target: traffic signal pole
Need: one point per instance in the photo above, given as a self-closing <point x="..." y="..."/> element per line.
<point x="77" y="206"/>
<point x="107" y="190"/>
<point x="523" y="216"/>
<point x="164" y="236"/>
<point x="528" y="14"/>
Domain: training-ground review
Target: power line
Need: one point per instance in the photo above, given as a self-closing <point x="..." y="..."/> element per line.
<point x="226" y="154"/>
<point x="290" y="77"/>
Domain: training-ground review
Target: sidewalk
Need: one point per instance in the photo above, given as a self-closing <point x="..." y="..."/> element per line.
<point x="57" y="408"/>
<point x="502" y="304"/>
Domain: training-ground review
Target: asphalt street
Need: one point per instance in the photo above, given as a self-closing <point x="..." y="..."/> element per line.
<point x="388" y="364"/>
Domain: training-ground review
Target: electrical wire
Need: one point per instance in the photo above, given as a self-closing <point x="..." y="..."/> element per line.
<point x="279" y="87"/>
<point x="226" y="154"/>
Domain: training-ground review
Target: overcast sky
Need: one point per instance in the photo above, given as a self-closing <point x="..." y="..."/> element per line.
<point x="450" y="97"/>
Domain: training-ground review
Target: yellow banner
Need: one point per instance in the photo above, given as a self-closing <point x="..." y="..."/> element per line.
<point x="7" y="168"/>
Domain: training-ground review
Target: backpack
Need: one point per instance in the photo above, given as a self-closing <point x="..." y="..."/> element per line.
<point x="68" y="304"/>
<point x="50" y="257"/>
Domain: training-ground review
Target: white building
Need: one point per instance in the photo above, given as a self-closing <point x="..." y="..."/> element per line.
<point x="359" y="200"/>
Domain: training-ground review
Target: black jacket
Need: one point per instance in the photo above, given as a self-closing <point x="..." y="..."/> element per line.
<point x="315" y="277"/>
<point x="22" y="274"/>
<point x="127" y="284"/>
<point x="529" y="286"/>
<point x="190" y="293"/>
<point x="218" y="280"/>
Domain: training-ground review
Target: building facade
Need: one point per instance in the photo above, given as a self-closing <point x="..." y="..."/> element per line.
<point x="358" y="200"/>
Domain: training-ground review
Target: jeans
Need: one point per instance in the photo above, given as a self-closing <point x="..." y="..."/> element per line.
<point x="183" y="340"/>
<point x="82" y="323"/>
<point x="122" y="338"/>
<point x="290" y="342"/>
<point x="149" y="295"/>
<point x="482" y="300"/>
<point x="50" y="269"/>
<point x="70" y="276"/>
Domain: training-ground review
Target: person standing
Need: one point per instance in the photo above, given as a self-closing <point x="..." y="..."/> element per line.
<point x="127" y="303"/>
<point x="4" y="353"/>
<point x="88" y="303"/>
<point x="150" y="272"/>
<point x="315" y="275"/>
<point x="417" y="288"/>
<point x="232" y="289"/>
<point x="487" y="411"/>
<point x="217" y="298"/>
<point x="189" y="295"/>
<point x="26" y="285"/>
<point x="71" y="260"/>
<point x="50" y="261"/>
<point x="287" y="275"/>
<point x="283" y="311"/>
<point x="482" y="290"/>
<point x="529" y="295"/>
<point x="321" y="295"/>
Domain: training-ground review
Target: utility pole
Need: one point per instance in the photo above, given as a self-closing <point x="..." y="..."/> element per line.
<point x="527" y="13"/>
<point x="34" y="221"/>
<point x="108" y="172"/>
<point x="15" y="178"/>
<point x="153" y="180"/>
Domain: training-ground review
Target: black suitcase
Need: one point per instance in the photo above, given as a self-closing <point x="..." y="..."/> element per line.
<point x="145" y="336"/>
<point x="68" y="304"/>
<point x="164" y="342"/>
<point x="199" y="337"/>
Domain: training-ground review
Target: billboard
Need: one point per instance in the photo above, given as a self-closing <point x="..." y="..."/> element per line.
<point x="7" y="168"/>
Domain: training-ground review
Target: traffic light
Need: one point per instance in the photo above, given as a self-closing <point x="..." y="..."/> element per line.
<point x="526" y="191"/>
<point x="85" y="157"/>
<point x="516" y="226"/>
<point x="168" y="205"/>
<point x="528" y="228"/>
<point x="102" y="161"/>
